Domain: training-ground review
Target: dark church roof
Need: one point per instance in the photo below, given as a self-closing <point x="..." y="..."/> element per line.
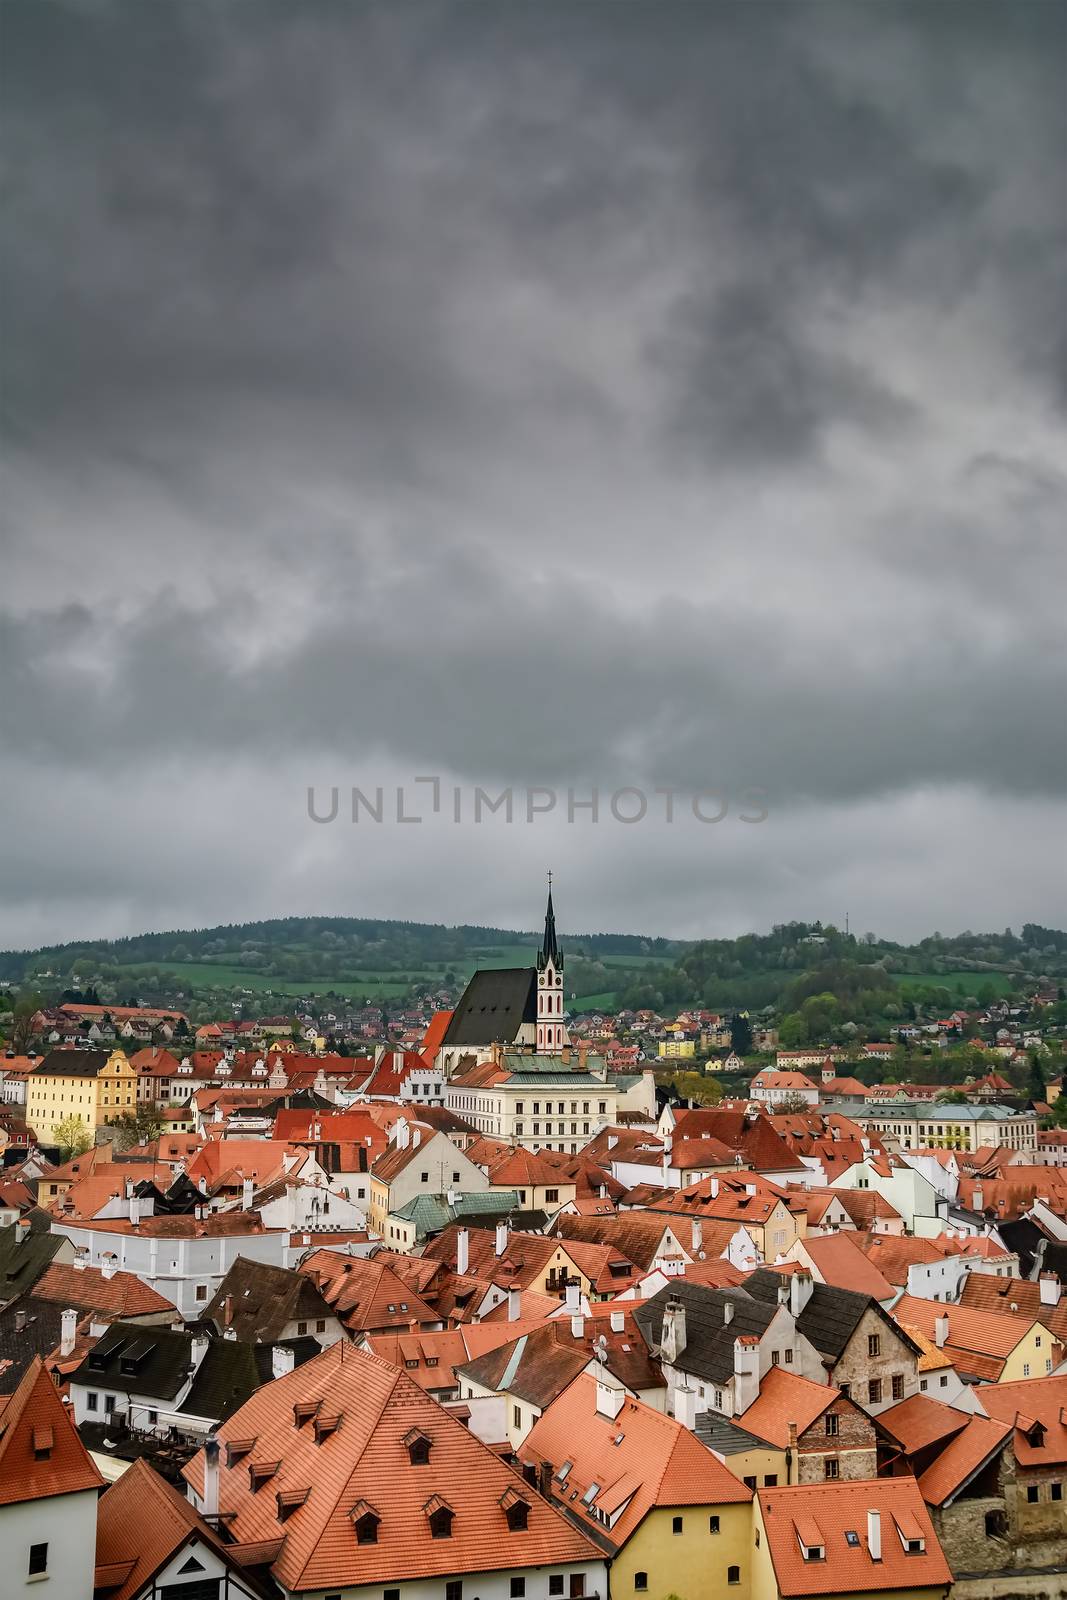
<point x="549" y="949"/>
<point x="493" y="1007"/>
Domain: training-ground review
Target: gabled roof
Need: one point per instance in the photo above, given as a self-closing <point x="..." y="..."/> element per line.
<point x="709" y="1346"/>
<point x="122" y="1294"/>
<point x="258" y="1301"/>
<point x="822" y="1515"/>
<point x="1041" y="1400"/>
<point x="40" y="1452"/>
<point x="361" y="1466"/>
<point x="784" y="1398"/>
<point x="540" y="1363"/>
<point x="945" y="1447"/>
<point x="840" y="1262"/>
<point x="493" y="1007"/>
<point x="1014" y="1297"/>
<point x="366" y="1294"/>
<point x="831" y="1315"/>
<point x="630" y="1464"/>
<point x="142" y="1524"/>
<point x="638" y="1235"/>
<point x="979" y="1342"/>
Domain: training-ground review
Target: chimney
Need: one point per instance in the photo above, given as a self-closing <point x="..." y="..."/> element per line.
<point x="108" y="1267"/>
<point x="783" y="1289"/>
<point x="746" y="1372"/>
<point x="801" y="1286"/>
<point x="578" y="1327"/>
<point x="462" y="1252"/>
<point x="713" y="1188"/>
<point x="976" y="1199"/>
<point x="940" y="1331"/>
<point x="544" y="1479"/>
<point x="1051" y="1289"/>
<point x="874" y="1535"/>
<point x="728" y="1313"/>
<point x="211" y="1478"/>
<point x="135" y="1211"/>
<point x="618" y="1322"/>
<point x="248" y="1189"/>
<point x="198" y="1349"/>
<point x="672" y="1334"/>
<point x="573" y="1297"/>
<point x="282" y="1360"/>
<point x="403" y="1135"/>
<point x="68" y="1331"/>
<point x="501" y="1238"/>
<point x="698" y="1235"/>
<point x="610" y="1398"/>
<point x="416" y="1138"/>
<point x="514" y="1304"/>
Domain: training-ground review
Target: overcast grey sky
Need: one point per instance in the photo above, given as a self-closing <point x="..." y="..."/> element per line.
<point x="561" y="394"/>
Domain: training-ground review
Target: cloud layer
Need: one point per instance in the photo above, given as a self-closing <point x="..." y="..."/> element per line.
<point x="532" y="395"/>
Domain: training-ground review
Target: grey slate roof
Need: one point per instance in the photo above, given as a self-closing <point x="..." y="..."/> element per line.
<point x="726" y="1438"/>
<point x="493" y="1007"/>
<point x="830" y="1317"/>
<point x="709" y="1346"/>
<point x="263" y="1300"/>
<point x="21" y="1264"/>
<point x="72" y="1063"/>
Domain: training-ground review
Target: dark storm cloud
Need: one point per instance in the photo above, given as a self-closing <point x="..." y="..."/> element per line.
<point x="549" y="393"/>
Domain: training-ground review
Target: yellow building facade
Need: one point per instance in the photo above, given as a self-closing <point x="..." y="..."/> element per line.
<point x="89" y="1087"/>
<point x="710" y="1553"/>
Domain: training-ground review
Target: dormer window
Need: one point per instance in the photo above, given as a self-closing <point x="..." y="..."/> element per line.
<point x="42" y="1443"/>
<point x="418" y="1447"/>
<point x="289" y="1501"/>
<point x="516" y="1510"/>
<point x="261" y="1472"/>
<point x="366" y="1520"/>
<point x="304" y="1410"/>
<point x="324" y="1426"/>
<point x="440" y="1516"/>
<point x="237" y="1449"/>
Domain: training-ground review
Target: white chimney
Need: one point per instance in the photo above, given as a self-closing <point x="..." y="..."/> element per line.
<point x="1051" y="1289"/>
<point x="211" y="1477"/>
<point x="578" y="1327"/>
<point x="685" y="1406"/>
<point x="462" y="1252"/>
<point x="746" y="1373"/>
<point x="801" y="1288"/>
<point x="451" y="1197"/>
<point x="672" y="1334"/>
<point x="416" y="1138"/>
<point x="618" y="1322"/>
<point x="713" y="1188"/>
<point x="698" y="1235"/>
<point x="976" y="1199"/>
<point x="282" y="1360"/>
<point x="514" y="1304"/>
<point x="940" y="1331"/>
<point x="874" y="1535"/>
<point x="248" y="1189"/>
<point x="68" y="1331"/>
<point x="573" y="1297"/>
<point x="501" y="1238"/>
<point x="135" y="1211"/>
<point x="108" y="1267"/>
<point x="198" y="1349"/>
<point x="610" y="1398"/>
<point x="728" y="1313"/>
<point x="402" y="1135"/>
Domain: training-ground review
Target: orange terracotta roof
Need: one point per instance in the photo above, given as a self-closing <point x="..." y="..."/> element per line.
<point x="919" y="1422"/>
<point x="839" y="1261"/>
<point x="142" y="1523"/>
<point x="366" y="1294"/>
<point x="979" y="1342"/>
<point x="821" y="1513"/>
<point x="961" y="1458"/>
<point x="785" y="1397"/>
<point x="1042" y="1400"/>
<point x="86" y="1288"/>
<point x="655" y="1461"/>
<point x="40" y="1451"/>
<point x="1014" y="1297"/>
<point x="362" y="1466"/>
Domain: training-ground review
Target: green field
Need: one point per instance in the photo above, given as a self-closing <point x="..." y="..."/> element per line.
<point x="958" y="982"/>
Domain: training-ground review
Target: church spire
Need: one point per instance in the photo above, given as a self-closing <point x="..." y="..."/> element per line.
<point x="549" y="949"/>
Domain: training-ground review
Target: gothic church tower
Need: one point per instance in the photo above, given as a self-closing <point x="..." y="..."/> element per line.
<point x="551" y="1033"/>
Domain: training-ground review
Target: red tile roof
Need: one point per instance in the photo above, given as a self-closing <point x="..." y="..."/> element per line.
<point x="1042" y="1400"/>
<point x="362" y="1467"/>
<point x="640" y="1459"/>
<point x="33" y="1421"/>
<point x="366" y="1294"/>
<point x="785" y="1397"/>
<point x="87" y="1289"/>
<point x="823" y="1515"/>
<point x="141" y="1524"/>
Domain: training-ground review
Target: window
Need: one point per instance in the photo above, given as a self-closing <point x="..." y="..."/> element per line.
<point x="320" y="1325"/>
<point x="733" y="1574"/>
<point x="92" y="1401"/>
<point x="550" y="1195"/>
<point x="996" y="1524"/>
<point x="831" y="1425"/>
<point x="555" y="1583"/>
<point x="677" y="1525"/>
<point x="201" y="1291"/>
<point x="301" y="1328"/>
<point x="751" y="1482"/>
<point x="770" y="1480"/>
<point x="1055" y="1491"/>
<point x="38" y="1559"/>
<point x="874" y="1344"/>
<point x="367" y="1528"/>
<point x="516" y="1416"/>
<point x="874" y="1391"/>
<point x="1032" y="1493"/>
<point x="846" y="1389"/>
<point x="454" y="1589"/>
<point x="944" y="1380"/>
<point x="832" y="1468"/>
<point x="1026" y="1369"/>
<point x="789" y="1358"/>
<point x="518" y="1516"/>
<point x="640" y="1580"/>
<point x="898" y="1386"/>
<point x="518" y="1588"/>
<point x="713" y="1524"/>
<point x="441" y="1523"/>
<point x="776" y="1358"/>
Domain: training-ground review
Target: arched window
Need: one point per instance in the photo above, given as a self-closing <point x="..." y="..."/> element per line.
<point x="640" y="1580"/>
<point x="733" y="1574"/>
